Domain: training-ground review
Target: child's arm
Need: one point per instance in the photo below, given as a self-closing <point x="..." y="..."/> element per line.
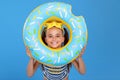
<point x="32" y="65"/>
<point x="79" y="63"/>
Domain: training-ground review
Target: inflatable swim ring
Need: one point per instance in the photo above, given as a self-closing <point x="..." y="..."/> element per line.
<point x="34" y="25"/>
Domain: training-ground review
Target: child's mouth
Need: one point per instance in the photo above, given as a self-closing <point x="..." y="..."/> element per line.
<point x="54" y="43"/>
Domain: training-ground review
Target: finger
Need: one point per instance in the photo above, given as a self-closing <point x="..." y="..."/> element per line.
<point x="27" y="48"/>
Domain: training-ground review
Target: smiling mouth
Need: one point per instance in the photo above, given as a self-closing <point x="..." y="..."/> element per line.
<point x="54" y="43"/>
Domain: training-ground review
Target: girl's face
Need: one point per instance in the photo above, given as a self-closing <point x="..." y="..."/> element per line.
<point x="54" y="37"/>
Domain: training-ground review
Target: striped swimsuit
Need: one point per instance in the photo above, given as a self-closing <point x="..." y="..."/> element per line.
<point x="55" y="73"/>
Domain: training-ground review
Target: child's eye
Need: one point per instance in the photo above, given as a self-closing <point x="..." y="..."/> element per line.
<point x="50" y="36"/>
<point x="57" y="36"/>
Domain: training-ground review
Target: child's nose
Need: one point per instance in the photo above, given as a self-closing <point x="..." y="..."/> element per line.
<point x="54" y="38"/>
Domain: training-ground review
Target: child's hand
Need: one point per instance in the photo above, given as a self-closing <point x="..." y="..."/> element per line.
<point x="82" y="51"/>
<point x="28" y="52"/>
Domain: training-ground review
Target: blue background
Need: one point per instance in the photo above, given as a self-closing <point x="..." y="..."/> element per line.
<point x="102" y="55"/>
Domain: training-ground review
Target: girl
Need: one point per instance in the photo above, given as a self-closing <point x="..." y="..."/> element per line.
<point x="54" y="37"/>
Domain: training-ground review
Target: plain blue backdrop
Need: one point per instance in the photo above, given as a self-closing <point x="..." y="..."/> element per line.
<point x="102" y="55"/>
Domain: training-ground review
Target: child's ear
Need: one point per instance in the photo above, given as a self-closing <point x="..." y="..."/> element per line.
<point x="45" y="39"/>
<point x="63" y="39"/>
